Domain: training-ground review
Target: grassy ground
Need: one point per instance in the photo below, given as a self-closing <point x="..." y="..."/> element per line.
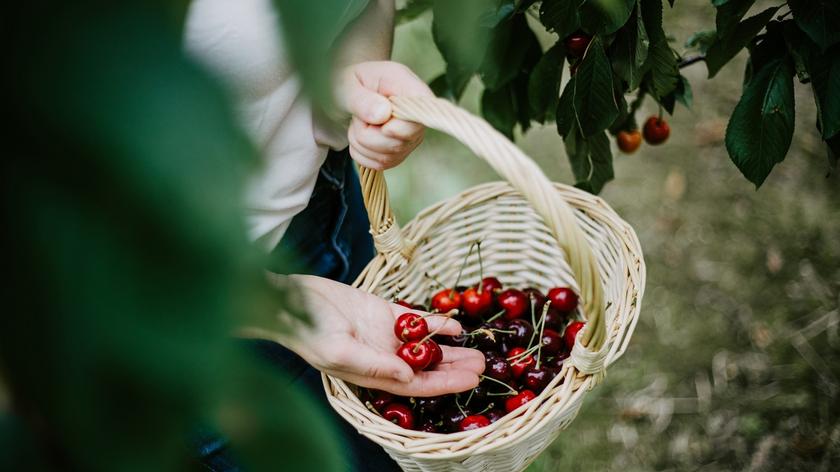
<point x="735" y="364"/>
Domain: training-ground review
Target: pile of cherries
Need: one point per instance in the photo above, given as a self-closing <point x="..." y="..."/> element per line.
<point x="524" y="335"/>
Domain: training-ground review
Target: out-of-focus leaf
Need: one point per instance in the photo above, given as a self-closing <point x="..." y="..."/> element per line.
<point x="413" y="9"/>
<point x="561" y="16"/>
<point x="701" y="40"/>
<point x="511" y="42"/>
<point x="461" y="39"/>
<point x="761" y="127"/>
<point x="727" y="46"/>
<point x="498" y="108"/>
<point x="604" y="17"/>
<point x="594" y="102"/>
<point x="544" y="83"/>
<point x="310" y="30"/>
<point x="833" y="152"/>
<point x="440" y="87"/>
<point x="820" y="19"/>
<point x="126" y="167"/>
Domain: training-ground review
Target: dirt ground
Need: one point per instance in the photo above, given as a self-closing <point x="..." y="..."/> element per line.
<point x="735" y="363"/>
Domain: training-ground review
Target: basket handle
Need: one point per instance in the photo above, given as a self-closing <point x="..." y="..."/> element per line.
<point x="525" y="176"/>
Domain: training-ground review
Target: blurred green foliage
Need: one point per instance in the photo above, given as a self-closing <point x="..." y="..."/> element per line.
<point x="130" y="269"/>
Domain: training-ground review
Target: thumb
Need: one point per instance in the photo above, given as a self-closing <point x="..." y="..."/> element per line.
<point x="367" y="105"/>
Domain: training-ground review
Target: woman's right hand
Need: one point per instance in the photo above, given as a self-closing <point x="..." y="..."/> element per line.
<point x="352" y="337"/>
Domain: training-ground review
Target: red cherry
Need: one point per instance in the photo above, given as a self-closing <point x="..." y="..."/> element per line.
<point x="519" y="365"/>
<point x="571" y="333"/>
<point x="446" y="300"/>
<point x="552" y="342"/>
<point x="491" y="284"/>
<point x="629" y="141"/>
<point x="399" y="414"/>
<point x="577" y="43"/>
<point x="437" y="354"/>
<point x="563" y="299"/>
<point x="656" y="130"/>
<point x="514" y="302"/>
<point x="411" y="327"/>
<point x="474" y="422"/>
<point x="516" y="401"/>
<point x="417" y="354"/>
<point x="379" y="399"/>
<point x="476" y="304"/>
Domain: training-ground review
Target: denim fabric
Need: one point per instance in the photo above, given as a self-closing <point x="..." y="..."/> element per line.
<point x="330" y="239"/>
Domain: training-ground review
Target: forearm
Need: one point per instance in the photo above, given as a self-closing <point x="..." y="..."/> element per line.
<point x="370" y="37"/>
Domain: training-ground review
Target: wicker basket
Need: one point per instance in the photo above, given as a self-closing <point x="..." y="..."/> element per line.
<point x="534" y="233"/>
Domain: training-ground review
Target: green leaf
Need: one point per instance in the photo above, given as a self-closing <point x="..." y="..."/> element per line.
<point x="729" y="14"/>
<point x="684" y="92"/>
<point x="820" y="19"/>
<point x="629" y="51"/>
<point x="701" y="40"/>
<point x="833" y="151"/>
<point x="594" y="102"/>
<point x="510" y="44"/>
<point x="561" y="16"/>
<point x="652" y="16"/>
<point x="440" y="86"/>
<point x="824" y="70"/>
<point x="799" y="47"/>
<point x="591" y="160"/>
<point x="460" y="38"/>
<point x="605" y="17"/>
<point x="663" y="70"/>
<point x="499" y="109"/>
<point x="544" y="83"/>
<point x="565" y="115"/>
<point x="761" y="127"/>
<point x="727" y="46"/>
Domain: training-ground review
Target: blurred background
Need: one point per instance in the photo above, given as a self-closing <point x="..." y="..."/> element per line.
<point x="735" y="363"/>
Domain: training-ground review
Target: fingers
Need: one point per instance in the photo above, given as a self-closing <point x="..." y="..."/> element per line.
<point x="424" y="384"/>
<point x="361" y="360"/>
<point x="445" y="325"/>
<point x="463" y="358"/>
<point x="403" y="130"/>
<point x="364" y="102"/>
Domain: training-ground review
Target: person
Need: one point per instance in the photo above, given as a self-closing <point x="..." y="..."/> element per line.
<point x="307" y="200"/>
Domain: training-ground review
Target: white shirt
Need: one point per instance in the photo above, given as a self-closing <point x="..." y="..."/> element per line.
<point x="240" y="42"/>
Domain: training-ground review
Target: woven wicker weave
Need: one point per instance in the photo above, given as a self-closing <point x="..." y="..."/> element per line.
<point x="534" y="233"/>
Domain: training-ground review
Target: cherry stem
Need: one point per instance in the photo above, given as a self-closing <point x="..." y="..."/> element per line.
<point x="542" y="330"/>
<point x="448" y="315"/>
<point x="496" y="316"/>
<point x="515" y="359"/>
<point x="461" y="270"/>
<point x="459" y="408"/>
<point x="484" y="377"/>
<point x="541" y="323"/>
<point x="486" y="409"/>
<point x="435" y="280"/>
<point x="467" y="403"/>
<point x="480" y="269"/>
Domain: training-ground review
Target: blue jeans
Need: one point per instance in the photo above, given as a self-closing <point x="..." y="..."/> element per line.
<point x="330" y="239"/>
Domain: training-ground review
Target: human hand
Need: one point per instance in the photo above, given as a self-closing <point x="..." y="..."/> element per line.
<point x="377" y="140"/>
<point x="352" y="338"/>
